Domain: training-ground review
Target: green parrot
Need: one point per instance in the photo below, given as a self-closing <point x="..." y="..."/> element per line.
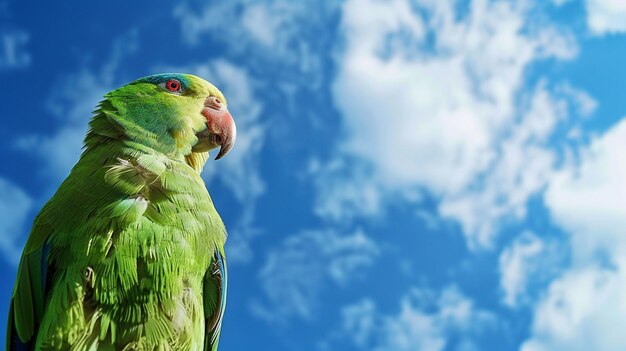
<point x="129" y="252"/>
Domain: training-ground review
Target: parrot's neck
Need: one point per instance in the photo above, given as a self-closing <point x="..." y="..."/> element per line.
<point x="108" y="129"/>
<point x="197" y="160"/>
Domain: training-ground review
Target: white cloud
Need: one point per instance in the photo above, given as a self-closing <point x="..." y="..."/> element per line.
<point x="581" y="312"/>
<point x="514" y="262"/>
<point x="359" y="321"/>
<point x="585" y="105"/>
<point x="430" y="102"/>
<point x="272" y="30"/>
<point x="521" y="168"/>
<point x="587" y="199"/>
<point x="427" y="321"/>
<point x="606" y="16"/>
<point x="15" y="205"/>
<point x="262" y="23"/>
<point x="527" y="261"/>
<point x="295" y="273"/>
<point x="340" y="200"/>
<point x="12" y="52"/>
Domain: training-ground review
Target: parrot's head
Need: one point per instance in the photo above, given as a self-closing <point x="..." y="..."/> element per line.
<point x="172" y="113"/>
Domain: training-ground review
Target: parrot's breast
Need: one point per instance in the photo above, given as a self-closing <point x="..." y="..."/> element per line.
<point x="129" y="270"/>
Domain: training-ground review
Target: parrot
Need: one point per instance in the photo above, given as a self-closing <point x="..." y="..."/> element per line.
<point x="128" y="254"/>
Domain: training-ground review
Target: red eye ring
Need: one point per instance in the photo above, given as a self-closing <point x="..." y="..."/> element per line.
<point x="172" y="85"/>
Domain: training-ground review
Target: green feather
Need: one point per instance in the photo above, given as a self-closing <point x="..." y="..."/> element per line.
<point x="131" y="234"/>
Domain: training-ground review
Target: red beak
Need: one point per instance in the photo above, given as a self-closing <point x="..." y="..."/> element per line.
<point x="220" y="123"/>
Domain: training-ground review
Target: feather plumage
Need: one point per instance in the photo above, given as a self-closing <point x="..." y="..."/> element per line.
<point x="123" y="256"/>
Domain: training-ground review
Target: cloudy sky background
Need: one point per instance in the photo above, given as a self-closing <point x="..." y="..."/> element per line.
<point x="409" y="175"/>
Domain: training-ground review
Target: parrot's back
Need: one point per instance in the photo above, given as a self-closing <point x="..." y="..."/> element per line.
<point x="127" y="255"/>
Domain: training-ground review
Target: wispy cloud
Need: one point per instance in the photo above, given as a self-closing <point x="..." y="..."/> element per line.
<point x="428" y="320"/>
<point x="338" y="199"/>
<point x="15" y="205"/>
<point x="580" y="312"/>
<point x="13" y="52"/>
<point x="271" y="30"/>
<point x="513" y="266"/>
<point x="529" y="261"/>
<point x="294" y="274"/>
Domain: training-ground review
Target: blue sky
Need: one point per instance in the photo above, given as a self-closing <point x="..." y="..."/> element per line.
<point x="409" y="175"/>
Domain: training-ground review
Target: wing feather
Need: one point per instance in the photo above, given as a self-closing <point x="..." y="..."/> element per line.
<point x="27" y="304"/>
<point x="215" y="289"/>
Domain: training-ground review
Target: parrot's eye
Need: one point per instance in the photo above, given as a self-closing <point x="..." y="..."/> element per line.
<point x="172" y="85"/>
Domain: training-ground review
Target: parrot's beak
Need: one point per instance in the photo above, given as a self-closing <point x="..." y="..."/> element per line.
<point x="221" y="130"/>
